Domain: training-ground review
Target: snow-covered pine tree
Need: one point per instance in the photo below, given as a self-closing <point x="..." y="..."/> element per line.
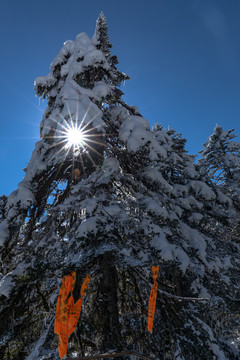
<point x="221" y="162"/>
<point x="112" y="203"/>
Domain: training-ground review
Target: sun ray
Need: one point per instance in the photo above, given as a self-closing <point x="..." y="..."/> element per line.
<point x="64" y="127"/>
<point x="70" y="115"/>
<point x="77" y="108"/>
<point x="91" y="120"/>
<point x="58" y="143"/>
<point x="84" y="117"/>
<point x="61" y="165"/>
<point x="96" y="142"/>
<point x="58" y="152"/>
<point x="91" y="159"/>
<point x="82" y="163"/>
<point x="86" y="132"/>
<point x="75" y="139"/>
<point x="94" y="150"/>
<point x="56" y="121"/>
<point x="67" y="125"/>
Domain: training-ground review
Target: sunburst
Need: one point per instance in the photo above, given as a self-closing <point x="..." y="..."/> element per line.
<point x="73" y="134"/>
<point x="77" y="138"/>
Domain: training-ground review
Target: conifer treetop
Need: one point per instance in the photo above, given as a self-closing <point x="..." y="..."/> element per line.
<point x="100" y="36"/>
<point x="221" y="155"/>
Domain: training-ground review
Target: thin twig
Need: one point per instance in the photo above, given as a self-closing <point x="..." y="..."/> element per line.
<point x="111" y="355"/>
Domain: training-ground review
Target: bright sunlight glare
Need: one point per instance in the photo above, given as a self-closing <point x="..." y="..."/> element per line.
<point x="74" y="137"/>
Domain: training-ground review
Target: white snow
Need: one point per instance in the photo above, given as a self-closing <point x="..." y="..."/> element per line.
<point x="195" y="240"/>
<point x="190" y="171"/>
<point x="202" y="189"/>
<point x="180" y="190"/>
<point x="7" y="282"/>
<point x="155" y="176"/>
<point x="159" y="242"/>
<point x="212" y="342"/>
<point x="169" y="251"/>
<point x="91" y="205"/>
<point x="196" y="217"/>
<point x="155" y="207"/>
<point x="88" y="226"/>
<point x="135" y="132"/>
<point x="101" y="90"/>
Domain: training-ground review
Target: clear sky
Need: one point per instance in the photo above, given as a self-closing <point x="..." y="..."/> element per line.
<point x="182" y="57"/>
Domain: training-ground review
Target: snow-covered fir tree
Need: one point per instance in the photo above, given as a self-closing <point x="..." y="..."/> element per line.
<point x="112" y="202"/>
<point x="220" y="164"/>
<point x="220" y="161"/>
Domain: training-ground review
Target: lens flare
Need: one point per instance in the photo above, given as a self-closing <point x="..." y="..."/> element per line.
<point x="78" y="139"/>
<point x="74" y="137"/>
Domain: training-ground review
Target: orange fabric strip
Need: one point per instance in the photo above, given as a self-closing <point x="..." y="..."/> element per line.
<point x="63" y="307"/>
<point x="67" y="313"/>
<point x="76" y="309"/>
<point x="152" y="299"/>
<point x="68" y="283"/>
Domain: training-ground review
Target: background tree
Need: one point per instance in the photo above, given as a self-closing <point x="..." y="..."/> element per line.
<point x="220" y="164"/>
<point x="111" y="202"/>
<point x="221" y="161"/>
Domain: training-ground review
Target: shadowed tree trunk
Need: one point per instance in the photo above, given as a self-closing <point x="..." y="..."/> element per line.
<point x="108" y="310"/>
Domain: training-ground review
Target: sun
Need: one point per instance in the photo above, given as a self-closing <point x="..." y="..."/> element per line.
<point x="74" y="137"/>
<point x="77" y="140"/>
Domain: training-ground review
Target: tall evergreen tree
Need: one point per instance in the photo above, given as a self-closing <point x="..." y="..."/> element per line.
<point x="221" y="161"/>
<point x="106" y="196"/>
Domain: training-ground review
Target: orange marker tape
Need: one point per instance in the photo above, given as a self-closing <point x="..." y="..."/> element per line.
<point x="67" y="313"/>
<point x="153" y="298"/>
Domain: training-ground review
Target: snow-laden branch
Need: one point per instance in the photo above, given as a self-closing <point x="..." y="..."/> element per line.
<point x="175" y="297"/>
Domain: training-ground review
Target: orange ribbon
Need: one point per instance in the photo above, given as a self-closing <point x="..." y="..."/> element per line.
<point x="75" y="310"/>
<point x="67" y="313"/>
<point x="152" y="298"/>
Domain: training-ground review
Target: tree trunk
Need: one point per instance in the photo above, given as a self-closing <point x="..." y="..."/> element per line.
<point x="108" y="302"/>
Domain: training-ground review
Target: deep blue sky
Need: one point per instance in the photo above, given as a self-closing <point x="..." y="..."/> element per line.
<point x="182" y="56"/>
